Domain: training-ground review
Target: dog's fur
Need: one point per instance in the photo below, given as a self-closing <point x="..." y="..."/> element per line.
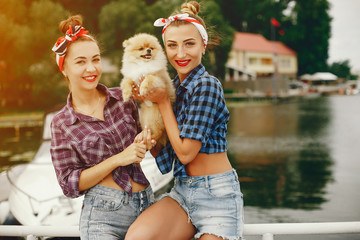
<point x="144" y="58"/>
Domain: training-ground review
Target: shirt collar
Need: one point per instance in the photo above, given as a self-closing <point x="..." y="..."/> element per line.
<point x="72" y="115"/>
<point x="187" y="83"/>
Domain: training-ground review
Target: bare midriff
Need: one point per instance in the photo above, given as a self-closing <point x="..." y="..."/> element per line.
<point x="208" y="164"/>
<point x="108" y="181"/>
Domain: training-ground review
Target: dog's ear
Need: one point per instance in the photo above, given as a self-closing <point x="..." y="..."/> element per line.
<point x="125" y="43"/>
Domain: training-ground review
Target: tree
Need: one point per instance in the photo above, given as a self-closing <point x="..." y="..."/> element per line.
<point x="118" y="21"/>
<point x="253" y="16"/>
<point x="139" y="16"/>
<point x="27" y="38"/>
<point x="308" y="33"/>
<point x="306" y="26"/>
<point x="342" y="69"/>
<point x="222" y="34"/>
<point x="89" y="9"/>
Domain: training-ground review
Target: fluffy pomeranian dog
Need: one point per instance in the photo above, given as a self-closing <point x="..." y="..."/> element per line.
<point x="144" y="65"/>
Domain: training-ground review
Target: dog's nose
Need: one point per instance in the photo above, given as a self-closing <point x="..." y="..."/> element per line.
<point x="148" y="50"/>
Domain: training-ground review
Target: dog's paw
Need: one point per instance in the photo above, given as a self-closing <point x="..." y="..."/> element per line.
<point x="126" y="87"/>
<point x="146" y="85"/>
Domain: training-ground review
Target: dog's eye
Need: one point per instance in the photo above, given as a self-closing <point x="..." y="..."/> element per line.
<point x="140" y="49"/>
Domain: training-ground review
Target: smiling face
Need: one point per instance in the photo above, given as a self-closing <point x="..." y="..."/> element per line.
<point x="82" y="65"/>
<point x="184" y="48"/>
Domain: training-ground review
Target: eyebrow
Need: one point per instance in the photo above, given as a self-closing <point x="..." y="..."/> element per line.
<point x="82" y="57"/>
<point x="186" y="40"/>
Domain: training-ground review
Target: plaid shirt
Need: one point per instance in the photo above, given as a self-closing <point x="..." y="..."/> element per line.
<point x="79" y="142"/>
<point x="201" y="114"/>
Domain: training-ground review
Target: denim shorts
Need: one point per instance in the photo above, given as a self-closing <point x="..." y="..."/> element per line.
<point x="108" y="213"/>
<point x="213" y="203"/>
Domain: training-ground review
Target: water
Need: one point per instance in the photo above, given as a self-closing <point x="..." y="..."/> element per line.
<point x="18" y="149"/>
<point x="298" y="161"/>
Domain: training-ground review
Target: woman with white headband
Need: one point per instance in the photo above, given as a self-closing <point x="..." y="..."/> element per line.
<point x="206" y="201"/>
<point x="94" y="145"/>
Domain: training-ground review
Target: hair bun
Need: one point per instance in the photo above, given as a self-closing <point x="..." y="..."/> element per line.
<point x="72" y="20"/>
<point x="191" y="7"/>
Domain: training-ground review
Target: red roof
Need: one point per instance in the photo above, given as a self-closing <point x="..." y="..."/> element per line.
<point x="257" y="43"/>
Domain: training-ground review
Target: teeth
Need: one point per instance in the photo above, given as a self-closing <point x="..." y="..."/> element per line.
<point x="182" y="62"/>
<point x="90" y="78"/>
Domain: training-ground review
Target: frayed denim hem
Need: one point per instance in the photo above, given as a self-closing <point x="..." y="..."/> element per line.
<point x="199" y="234"/>
<point x="182" y="205"/>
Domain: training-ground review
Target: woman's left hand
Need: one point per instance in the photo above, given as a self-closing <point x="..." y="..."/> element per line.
<point x="145" y="137"/>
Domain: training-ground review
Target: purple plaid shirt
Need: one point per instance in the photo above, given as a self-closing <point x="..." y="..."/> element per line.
<point x="79" y="141"/>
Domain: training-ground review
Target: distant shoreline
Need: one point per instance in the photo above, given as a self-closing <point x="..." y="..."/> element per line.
<point x="22" y="120"/>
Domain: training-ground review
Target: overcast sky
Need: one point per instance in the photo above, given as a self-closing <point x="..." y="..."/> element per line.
<point x="345" y="32"/>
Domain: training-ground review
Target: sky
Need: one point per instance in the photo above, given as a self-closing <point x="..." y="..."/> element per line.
<point x="345" y="32"/>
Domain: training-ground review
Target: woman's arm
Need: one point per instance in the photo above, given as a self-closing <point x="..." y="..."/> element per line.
<point x="186" y="149"/>
<point x="92" y="176"/>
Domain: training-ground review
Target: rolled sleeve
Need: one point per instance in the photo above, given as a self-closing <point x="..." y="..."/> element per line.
<point x="200" y="113"/>
<point x="65" y="163"/>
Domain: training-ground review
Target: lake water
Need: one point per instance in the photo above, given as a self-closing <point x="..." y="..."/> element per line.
<point x="298" y="160"/>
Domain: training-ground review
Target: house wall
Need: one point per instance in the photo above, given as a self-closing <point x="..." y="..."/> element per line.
<point x="263" y="63"/>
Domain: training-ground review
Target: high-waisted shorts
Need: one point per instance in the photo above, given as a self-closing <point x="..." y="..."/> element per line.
<point x="108" y="213"/>
<point x="213" y="203"/>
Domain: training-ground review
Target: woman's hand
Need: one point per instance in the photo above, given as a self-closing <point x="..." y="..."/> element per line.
<point x="157" y="95"/>
<point x="145" y="138"/>
<point x="134" y="153"/>
<point x="136" y="93"/>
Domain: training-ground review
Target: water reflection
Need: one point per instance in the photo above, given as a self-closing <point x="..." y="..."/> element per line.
<point x="18" y="149"/>
<point x="281" y="152"/>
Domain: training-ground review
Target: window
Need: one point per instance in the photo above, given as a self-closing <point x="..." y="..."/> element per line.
<point x="266" y="61"/>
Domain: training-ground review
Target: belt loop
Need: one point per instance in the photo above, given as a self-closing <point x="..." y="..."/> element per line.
<point x="207" y="181"/>
<point x="126" y="200"/>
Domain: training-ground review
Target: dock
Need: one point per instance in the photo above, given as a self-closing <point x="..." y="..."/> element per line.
<point x="20" y="121"/>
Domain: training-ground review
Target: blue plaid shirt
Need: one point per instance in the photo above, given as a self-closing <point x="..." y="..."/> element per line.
<point x="201" y="114"/>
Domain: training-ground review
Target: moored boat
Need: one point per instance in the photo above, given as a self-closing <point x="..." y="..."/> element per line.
<point x="33" y="196"/>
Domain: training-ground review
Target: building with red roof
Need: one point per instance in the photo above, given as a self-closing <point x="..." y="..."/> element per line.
<point x="254" y="57"/>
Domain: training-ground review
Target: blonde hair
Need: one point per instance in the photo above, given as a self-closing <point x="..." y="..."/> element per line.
<point x="75" y="20"/>
<point x="193" y="8"/>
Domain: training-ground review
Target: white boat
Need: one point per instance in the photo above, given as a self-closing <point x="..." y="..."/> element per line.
<point x="35" y="197"/>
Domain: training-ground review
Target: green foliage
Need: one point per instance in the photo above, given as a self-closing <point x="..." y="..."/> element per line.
<point x="120" y="20"/>
<point x="342" y="69"/>
<point x="27" y="70"/>
<point x="251" y="15"/>
<point x="89" y="9"/>
<point x="307" y="27"/>
<point x="309" y="35"/>
<point x="29" y="28"/>
<point x="220" y="32"/>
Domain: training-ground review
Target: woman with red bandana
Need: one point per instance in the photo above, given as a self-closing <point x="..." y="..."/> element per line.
<point x="206" y="201"/>
<point x="97" y="143"/>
